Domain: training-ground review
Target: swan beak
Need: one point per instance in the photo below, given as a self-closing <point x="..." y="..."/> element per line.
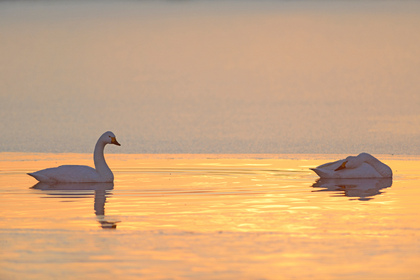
<point x="114" y="141"/>
<point x="342" y="166"/>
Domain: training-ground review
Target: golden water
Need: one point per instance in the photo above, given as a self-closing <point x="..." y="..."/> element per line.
<point x="208" y="217"/>
<point x="211" y="76"/>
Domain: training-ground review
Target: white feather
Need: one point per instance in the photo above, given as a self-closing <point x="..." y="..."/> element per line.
<point x="81" y="173"/>
<point x="362" y="166"/>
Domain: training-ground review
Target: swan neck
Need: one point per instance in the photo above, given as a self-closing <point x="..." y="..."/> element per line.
<point x="100" y="163"/>
<point x="381" y="167"/>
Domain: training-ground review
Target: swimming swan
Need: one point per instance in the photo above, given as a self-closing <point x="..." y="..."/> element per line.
<point x="362" y="166"/>
<point x="80" y="173"/>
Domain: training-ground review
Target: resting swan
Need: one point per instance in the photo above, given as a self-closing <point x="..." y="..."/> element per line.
<point x="362" y="166"/>
<point x="80" y="173"/>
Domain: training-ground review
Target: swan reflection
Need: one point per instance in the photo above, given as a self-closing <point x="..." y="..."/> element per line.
<point x="361" y="189"/>
<point x="75" y="190"/>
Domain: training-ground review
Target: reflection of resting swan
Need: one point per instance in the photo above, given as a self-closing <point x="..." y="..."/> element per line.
<point x="80" y="173"/>
<point x="364" y="189"/>
<point x="362" y="166"/>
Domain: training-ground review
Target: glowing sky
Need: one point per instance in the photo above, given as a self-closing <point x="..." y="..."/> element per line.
<point x="211" y="77"/>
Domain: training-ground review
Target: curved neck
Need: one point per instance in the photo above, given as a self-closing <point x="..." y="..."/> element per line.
<point x="381" y="167"/>
<point x="99" y="160"/>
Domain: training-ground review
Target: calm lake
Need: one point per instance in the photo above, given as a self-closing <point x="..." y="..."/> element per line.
<point x="221" y="108"/>
<point x="208" y="217"/>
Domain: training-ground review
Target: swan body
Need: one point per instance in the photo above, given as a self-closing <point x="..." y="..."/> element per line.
<point x="362" y="166"/>
<point x="80" y="173"/>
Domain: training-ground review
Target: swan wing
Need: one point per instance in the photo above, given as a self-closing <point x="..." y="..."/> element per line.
<point x="331" y="165"/>
<point x="327" y="170"/>
<point x="364" y="170"/>
<point x="67" y="173"/>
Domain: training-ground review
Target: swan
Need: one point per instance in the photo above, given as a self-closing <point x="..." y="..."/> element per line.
<point x="80" y="173"/>
<point x="362" y="166"/>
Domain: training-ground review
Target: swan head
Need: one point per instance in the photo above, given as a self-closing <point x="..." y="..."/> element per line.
<point x="353" y="162"/>
<point x="109" y="138"/>
<point x="349" y="162"/>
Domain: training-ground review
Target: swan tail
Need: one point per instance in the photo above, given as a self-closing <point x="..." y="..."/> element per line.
<point x="320" y="173"/>
<point x="33" y="175"/>
<point x="39" y="177"/>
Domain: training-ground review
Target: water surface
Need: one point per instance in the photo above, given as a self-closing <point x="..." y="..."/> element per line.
<point x="208" y="217"/>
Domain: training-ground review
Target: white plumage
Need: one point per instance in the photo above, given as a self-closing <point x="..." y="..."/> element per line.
<point x="362" y="166"/>
<point x="81" y="173"/>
